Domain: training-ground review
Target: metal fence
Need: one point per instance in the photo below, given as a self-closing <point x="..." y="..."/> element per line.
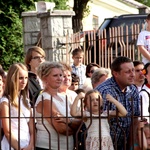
<point x="103" y="46"/>
<point x="80" y="133"/>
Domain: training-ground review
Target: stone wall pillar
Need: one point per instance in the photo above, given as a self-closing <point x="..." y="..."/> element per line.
<point x="56" y="28"/>
<point x="31" y="28"/>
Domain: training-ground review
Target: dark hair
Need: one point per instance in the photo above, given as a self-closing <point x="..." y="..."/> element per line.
<point x="137" y="62"/>
<point x="146" y="71"/>
<point x="75" y="78"/>
<point x="76" y="51"/>
<point x="89" y="66"/>
<point x="115" y="66"/>
<point x="148" y="17"/>
<point x="2" y="73"/>
<point x="79" y="91"/>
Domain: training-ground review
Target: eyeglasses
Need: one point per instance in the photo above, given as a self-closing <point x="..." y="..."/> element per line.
<point x="38" y="57"/>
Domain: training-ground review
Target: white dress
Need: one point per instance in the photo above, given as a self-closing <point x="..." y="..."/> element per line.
<point x="144" y="39"/>
<point x="92" y="140"/>
<point x="24" y="128"/>
<point x="43" y="137"/>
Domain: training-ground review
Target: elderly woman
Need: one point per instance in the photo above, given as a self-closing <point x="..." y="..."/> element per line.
<point x="99" y="76"/>
<point x="54" y="128"/>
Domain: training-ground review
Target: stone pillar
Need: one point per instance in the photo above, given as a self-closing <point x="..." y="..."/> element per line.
<point x="56" y="28"/>
<point x="31" y="28"/>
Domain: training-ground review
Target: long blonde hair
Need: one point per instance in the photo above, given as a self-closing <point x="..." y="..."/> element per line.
<point x="12" y="85"/>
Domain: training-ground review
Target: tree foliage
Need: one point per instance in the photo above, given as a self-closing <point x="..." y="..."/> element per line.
<point x="145" y="2"/>
<point x="11" y="43"/>
<point x="11" y="38"/>
<point x="59" y="4"/>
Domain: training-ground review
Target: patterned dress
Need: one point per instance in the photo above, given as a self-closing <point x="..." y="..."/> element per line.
<point x="94" y="133"/>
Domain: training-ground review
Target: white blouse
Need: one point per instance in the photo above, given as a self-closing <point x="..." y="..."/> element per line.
<point x="24" y="128"/>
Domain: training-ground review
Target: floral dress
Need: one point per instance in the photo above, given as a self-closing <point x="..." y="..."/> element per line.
<point x="93" y="126"/>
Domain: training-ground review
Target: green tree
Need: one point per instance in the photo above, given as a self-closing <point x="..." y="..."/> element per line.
<point x="145" y="2"/>
<point x="11" y="43"/>
<point x="11" y="38"/>
<point x="59" y="4"/>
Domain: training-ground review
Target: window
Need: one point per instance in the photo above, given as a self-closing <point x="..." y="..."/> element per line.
<point x="95" y="22"/>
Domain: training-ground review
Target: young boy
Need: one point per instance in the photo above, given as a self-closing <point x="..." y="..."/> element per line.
<point x="78" y="68"/>
<point x="75" y="82"/>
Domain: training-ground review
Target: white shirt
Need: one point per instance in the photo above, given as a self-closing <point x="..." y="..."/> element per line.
<point x="145" y="102"/>
<point x="144" y="39"/>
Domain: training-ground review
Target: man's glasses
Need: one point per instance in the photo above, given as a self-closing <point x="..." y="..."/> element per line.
<point x="38" y="57"/>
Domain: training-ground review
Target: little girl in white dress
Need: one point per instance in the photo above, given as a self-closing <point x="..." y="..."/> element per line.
<point x="98" y="130"/>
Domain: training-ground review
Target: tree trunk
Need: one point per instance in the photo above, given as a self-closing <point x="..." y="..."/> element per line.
<point x="79" y="8"/>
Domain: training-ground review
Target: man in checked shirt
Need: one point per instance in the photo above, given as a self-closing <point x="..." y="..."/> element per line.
<point x="121" y="87"/>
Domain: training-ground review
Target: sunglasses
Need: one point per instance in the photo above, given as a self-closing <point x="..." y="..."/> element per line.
<point x="92" y="71"/>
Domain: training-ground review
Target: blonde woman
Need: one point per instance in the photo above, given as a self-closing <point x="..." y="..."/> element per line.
<point x="54" y="129"/>
<point x="15" y="111"/>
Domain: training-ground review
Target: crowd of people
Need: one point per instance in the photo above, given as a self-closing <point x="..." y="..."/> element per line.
<point x="54" y="105"/>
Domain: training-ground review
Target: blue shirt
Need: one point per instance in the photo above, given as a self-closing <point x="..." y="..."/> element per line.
<point x="80" y="71"/>
<point x="127" y="99"/>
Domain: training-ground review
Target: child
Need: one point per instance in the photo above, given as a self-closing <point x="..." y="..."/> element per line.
<point x="78" y="68"/>
<point x="75" y="82"/>
<point x="93" y="103"/>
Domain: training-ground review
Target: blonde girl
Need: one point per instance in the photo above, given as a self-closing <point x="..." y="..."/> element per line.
<point x="15" y="111"/>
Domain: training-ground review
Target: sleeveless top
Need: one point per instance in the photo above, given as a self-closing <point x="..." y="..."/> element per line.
<point x="24" y="128"/>
<point x="45" y="138"/>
